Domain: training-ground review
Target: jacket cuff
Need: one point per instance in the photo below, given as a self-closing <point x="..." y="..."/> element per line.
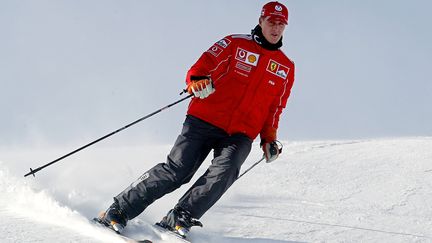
<point x="268" y="134"/>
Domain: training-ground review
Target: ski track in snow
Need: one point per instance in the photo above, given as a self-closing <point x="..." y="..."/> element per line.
<point x="376" y="190"/>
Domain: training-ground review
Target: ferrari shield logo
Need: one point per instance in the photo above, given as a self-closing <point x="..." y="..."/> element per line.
<point x="278" y="69"/>
<point x="273" y="66"/>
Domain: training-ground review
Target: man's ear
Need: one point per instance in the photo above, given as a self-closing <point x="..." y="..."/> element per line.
<point x="260" y="20"/>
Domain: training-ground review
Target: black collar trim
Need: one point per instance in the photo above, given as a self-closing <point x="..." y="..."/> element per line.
<point x="261" y="40"/>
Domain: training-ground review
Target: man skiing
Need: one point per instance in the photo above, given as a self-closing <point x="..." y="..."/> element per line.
<point x="240" y="86"/>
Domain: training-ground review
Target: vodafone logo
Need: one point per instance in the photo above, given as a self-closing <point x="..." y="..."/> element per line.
<point x="242" y="53"/>
<point x="215" y="51"/>
<point x="278" y="8"/>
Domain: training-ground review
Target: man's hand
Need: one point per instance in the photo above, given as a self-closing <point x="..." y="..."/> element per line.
<point x="201" y="87"/>
<point x="271" y="150"/>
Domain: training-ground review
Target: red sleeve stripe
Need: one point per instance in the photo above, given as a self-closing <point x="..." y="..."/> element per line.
<point x="220" y="64"/>
<point x="220" y="76"/>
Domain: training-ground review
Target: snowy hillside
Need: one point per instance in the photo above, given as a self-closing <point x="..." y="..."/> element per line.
<point x="321" y="191"/>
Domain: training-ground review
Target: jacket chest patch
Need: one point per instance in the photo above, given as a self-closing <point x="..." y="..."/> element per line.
<point x="247" y="57"/>
<point x="278" y="69"/>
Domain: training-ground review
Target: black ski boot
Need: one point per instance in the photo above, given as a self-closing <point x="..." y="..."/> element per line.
<point x="179" y="221"/>
<point x="113" y="218"/>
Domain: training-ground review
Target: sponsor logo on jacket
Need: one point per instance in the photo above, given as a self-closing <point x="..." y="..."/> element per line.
<point x="218" y="47"/>
<point x="243" y="67"/>
<point x="278" y="69"/>
<point x="247" y="56"/>
<point x="223" y="43"/>
<point x="215" y="50"/>
<point x="144" y="177"/>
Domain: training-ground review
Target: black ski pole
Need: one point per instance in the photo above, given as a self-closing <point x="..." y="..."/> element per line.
<point x="259" y="161"/>
<point x="250" y="168"/>
<point x="32" y="172"/>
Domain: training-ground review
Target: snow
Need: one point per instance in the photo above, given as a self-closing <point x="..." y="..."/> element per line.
<point x="376" y="190"/>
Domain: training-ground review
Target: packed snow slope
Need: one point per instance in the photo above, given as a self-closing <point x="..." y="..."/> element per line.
<point x="319" y="191"/>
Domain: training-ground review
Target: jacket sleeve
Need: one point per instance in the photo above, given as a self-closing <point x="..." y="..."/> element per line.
<point x="269" y="130"/>
<point x="213" y="62"/>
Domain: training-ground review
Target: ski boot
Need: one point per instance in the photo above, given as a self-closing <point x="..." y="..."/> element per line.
<point x="113" y="218"/>
<point x="179" y="221"/>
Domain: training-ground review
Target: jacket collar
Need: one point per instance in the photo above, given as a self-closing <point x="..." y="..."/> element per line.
<point x="259" y="38"/>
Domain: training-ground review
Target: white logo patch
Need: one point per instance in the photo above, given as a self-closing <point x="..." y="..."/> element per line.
<point x="140" y="179"/>
<point x="247" y="57"/>
<point x="215" y="50"/>
<point x="223" y="43"/>
<point x="278" y="69"/>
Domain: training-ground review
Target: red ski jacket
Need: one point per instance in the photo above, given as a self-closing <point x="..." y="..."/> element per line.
<point x="252" y="86"/>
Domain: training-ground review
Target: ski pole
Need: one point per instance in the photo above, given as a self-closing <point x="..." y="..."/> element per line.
<point x="32" y="172"/>
<point x="280" y="146"/>
<point x="250" y="168"/>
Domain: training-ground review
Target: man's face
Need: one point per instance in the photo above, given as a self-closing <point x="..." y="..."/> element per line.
<point x="272" y="29"/>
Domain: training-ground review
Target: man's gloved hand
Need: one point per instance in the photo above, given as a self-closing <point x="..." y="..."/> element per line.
<point x="271" y="150"/>
<point x="271" y="147"/>
<point x="200" y="86"/>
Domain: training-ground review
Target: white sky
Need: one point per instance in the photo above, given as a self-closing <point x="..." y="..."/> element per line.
<point x="72" y="71"/>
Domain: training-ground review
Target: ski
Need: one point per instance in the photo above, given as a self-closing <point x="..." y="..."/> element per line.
<point x="127" y="239"/>
<point x="130" y="240"/>
<point x="165" y="231"/>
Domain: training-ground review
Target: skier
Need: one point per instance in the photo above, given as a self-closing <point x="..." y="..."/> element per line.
<point x="240" y="86"/>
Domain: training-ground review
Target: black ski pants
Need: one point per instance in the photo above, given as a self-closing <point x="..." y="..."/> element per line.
<point x="192" y="146"/>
